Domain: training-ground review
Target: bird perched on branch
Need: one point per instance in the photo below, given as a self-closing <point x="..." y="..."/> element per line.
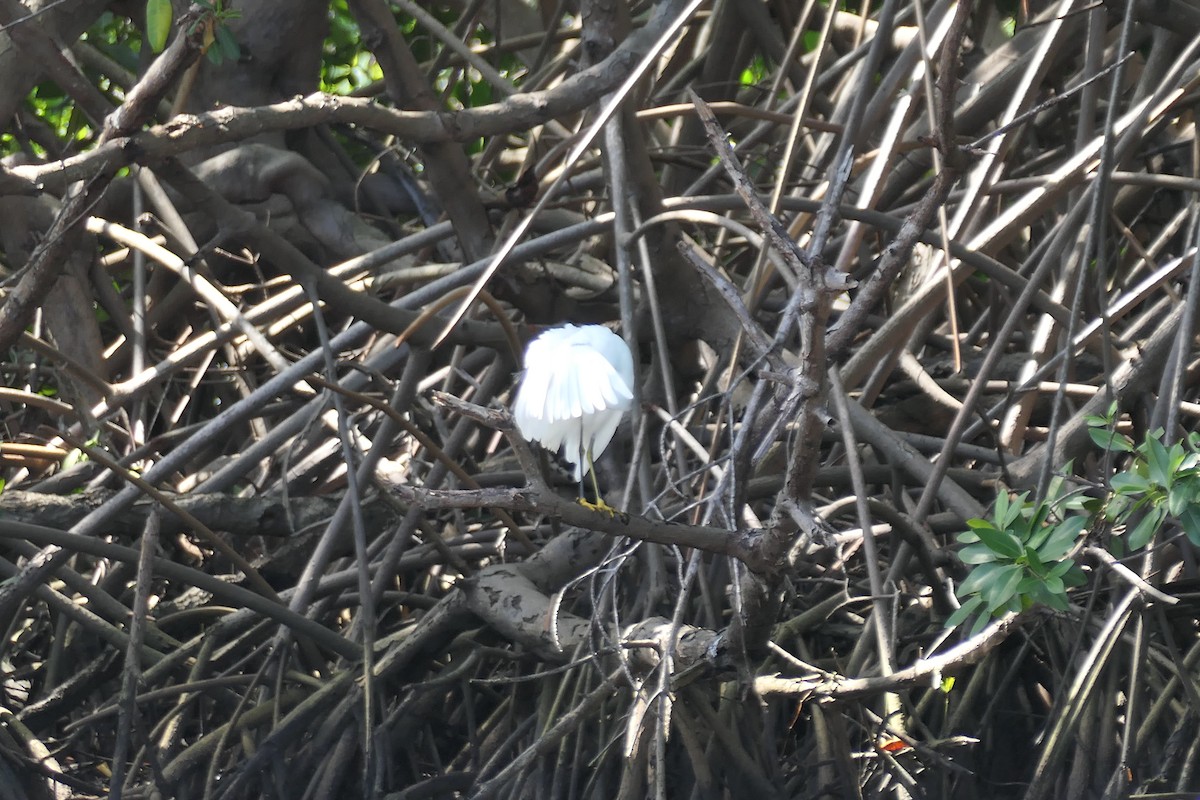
<point x="577" y="385"/>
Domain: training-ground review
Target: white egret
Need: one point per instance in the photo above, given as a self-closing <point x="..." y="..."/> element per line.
<point x="577" y="385"/>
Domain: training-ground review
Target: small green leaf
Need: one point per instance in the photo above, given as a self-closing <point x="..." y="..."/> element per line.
<point x="978" y="578"/>
<point x="227" y="43"/>
<point x="1062" y="538"/>
<point x="964" y="611"/>
<point x="1002" y="587"/>
<point x="1030" y="584"/>
<point x="1057" y="487"/>
<point x="1190" y="520"/>
<point x="1178" y="499"/>
<point x="976" y="554"/>
<point x="1002" y="543"/>
<point x="1179" y="457"/>
<point x="1012" y="511"/>
<point x="1039" y="537"/>
<point x="1033" y="525"/>
<point x="1057" y="600"/>
<point x="1001" y="510"/>
<point x="1075" y="501"/>
<point x="1159" y="462"/>
<point x="1129" y="483"/>
<point x="158" y="23"/>
<point x="1035" y="564"/>
<point x="1118" y="507"/>
<point x="1059" y="569"/>
<point x="1146" y="529"/>
<point x="1110" y="440"/>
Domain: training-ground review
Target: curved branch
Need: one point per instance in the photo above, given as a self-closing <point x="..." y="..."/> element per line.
<point x="744" y="544"/>
<point x="923" y="671"/>
<point x="232" y="124"/>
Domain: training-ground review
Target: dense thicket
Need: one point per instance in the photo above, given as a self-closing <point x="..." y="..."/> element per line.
<point x="268" y="531"/>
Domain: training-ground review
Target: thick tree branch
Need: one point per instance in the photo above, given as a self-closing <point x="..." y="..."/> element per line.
<point x="186" y="133"/>
<point x="445" y="163"/>
<point x="48" y="258"/>
<point x="838" y="687"/>
<point x="744" y="545"/>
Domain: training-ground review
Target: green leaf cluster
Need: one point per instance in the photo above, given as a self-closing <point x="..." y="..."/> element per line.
<point x="219" y="42"/>
<point x="1019" y="558"/>
<point x="1160" y="482"/>
<point x="347" y="66"/>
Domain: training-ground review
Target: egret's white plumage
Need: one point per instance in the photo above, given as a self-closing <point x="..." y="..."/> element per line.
<point x="578" y="384"/>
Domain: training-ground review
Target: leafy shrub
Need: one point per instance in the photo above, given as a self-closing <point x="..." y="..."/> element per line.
<point x="1019" y="558"/>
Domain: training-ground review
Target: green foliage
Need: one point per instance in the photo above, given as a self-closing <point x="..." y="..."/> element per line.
<point x="1160" y="482"/>
<point x="1019" y="558"/>
<point x="158" y="23"/>
<point x="118" y="38"/>
<point x="227" y="48"/>
<point x="755" y="74"/>
<point x="344" y="78"/>
<point x="54" y="108"/>
<point x="346" y="65"/>
<point x="219" y="44"/>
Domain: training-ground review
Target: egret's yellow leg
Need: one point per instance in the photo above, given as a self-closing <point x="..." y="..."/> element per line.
<point x="599" y="505"/>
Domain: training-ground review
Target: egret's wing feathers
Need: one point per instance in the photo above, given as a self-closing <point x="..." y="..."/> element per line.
<point x="606" y="388"/>
<point x="533" y="409"/>
<point x="529" y="410"/>
<point x="617" y="354"/>
<point x="605" y="427"/>
<point x="576" y="387"/>
<point x="569" y="391"/>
